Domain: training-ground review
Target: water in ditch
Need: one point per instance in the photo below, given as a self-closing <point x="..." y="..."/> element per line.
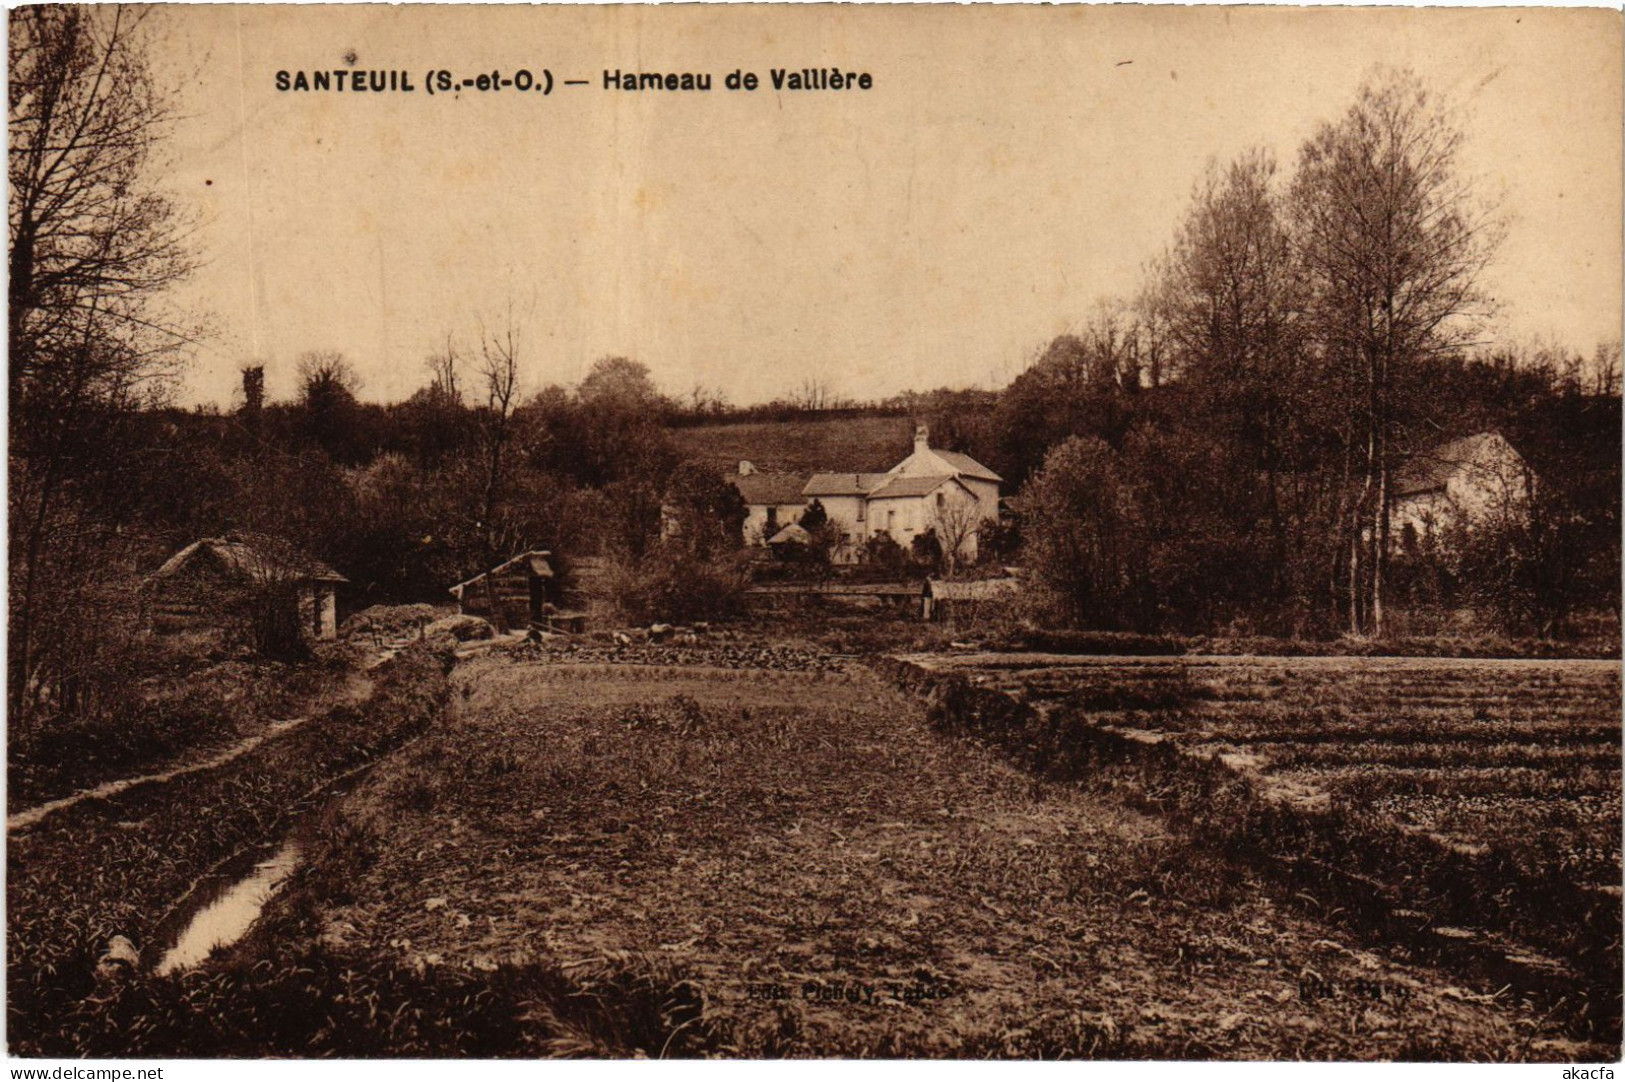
<point x="234" y="906"/>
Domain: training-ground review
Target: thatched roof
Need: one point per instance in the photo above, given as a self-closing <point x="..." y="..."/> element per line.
<point x="249" y="558"/>
<point x="537" y="559"/>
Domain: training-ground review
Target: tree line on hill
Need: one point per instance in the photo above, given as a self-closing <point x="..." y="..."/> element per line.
<point x="1218" y="451"/>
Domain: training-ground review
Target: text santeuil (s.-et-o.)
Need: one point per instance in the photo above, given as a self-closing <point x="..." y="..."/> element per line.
<point x="442" y="80"/>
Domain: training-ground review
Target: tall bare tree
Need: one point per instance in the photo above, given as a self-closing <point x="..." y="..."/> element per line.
<point x="93" y="247"/>
<point x="499" y="373"/>
<point x="442" y="367"/>
<point x="1393" y="237"/>
<point x="1233" y="304"/>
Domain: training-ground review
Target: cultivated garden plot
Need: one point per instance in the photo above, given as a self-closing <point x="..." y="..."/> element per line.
<point x="792" y="863"/>
<point x="1519" y="755"/>
<point x="1456" y="792"/>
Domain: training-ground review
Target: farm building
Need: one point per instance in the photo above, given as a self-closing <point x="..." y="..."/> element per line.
<point x="518" y="593"/>
<point x="208" y="583"/>
<point x="1466" y="481"/>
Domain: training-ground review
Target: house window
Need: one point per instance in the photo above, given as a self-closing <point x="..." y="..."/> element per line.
<point x="891" y="521"/>
<point x="862" y="510"/>
<point x="939" y="501"/>
<point x="772" y="518"/>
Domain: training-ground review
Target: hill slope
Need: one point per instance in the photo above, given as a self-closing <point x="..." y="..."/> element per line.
<point x="807" y="446"/>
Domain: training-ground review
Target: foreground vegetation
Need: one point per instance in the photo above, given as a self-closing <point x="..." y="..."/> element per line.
<point x="120" y="866"/>
<point x="187" y="707"/>
<point x="656" y="860"/>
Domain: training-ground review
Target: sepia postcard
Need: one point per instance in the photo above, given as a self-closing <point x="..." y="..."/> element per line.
<point x="860" y="532"/>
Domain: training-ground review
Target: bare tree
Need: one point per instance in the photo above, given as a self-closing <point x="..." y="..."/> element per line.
<point x="499" y="372"/>
<point x="93" y="247"/>
<point x="93" y="243"/>
<point x="1232" y="301"/>
<point x="1605" y="369"/>
<point x="813" y="394"/>
<point x="957" y="519"/>
<point x="325" y="374"/>
<point x="443" y="375"/>
<point x="1393" y="238"/>
<point x="328" y="385"/>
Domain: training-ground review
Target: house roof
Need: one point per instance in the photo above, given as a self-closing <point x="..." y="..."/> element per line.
<point x="791" y="534"/>
<point x="254" y="557"/>
<point x="539" y="566"/>
<point x="843" y="484"/>
<point x="772" y="489"/>
<point x="909" y="486"/>
<point x="1430" y="471"/>
<point x="966" y="465"/>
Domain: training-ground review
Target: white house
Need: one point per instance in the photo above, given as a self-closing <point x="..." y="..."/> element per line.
<point x="772" y="502"/>
<point x="931" y="489"/>
<point x="1467" y="481"/>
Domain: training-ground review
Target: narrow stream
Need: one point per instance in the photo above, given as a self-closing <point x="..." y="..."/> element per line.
<point x="226" y="904"/>
<point x="226" y="918"/>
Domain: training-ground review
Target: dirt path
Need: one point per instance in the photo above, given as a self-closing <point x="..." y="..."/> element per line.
<point x="356" y="690"/>
<point x="840" y="880"/>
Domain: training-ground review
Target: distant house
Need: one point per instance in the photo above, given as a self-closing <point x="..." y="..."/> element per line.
<point x="1465" y="481"/>
<point x="206" y="583"/>
<point x="931" y="489"/>
<point x="772" y="502"/>
<point x="515" y="594"/>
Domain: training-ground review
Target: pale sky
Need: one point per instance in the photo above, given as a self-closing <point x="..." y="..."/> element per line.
<point x="1009" y="168"/>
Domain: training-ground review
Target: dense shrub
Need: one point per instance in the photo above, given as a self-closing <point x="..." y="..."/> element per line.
<point x="667" y="587"/>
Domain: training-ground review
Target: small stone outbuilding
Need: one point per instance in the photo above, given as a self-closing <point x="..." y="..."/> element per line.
<point x="206" y="585"/>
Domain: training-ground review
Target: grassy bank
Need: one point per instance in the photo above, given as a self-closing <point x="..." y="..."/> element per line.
<point x="188" y="709"/>
<point x="1132" y="644"/>
<point x="116" y="867"/>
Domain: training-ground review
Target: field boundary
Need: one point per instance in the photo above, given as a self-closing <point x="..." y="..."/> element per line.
<point x="1402" y="887"/>
<point x="32" y="816"/>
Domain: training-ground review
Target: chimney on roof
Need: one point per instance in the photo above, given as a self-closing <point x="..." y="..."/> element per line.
<point x="922" y="438"/>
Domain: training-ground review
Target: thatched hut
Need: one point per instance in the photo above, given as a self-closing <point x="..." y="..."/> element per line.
<point x="214" y="581"/>
<point x="966" y="602"/>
